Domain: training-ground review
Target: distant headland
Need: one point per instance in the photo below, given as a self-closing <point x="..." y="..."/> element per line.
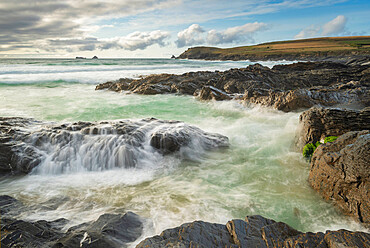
<point x="304" y="49"/>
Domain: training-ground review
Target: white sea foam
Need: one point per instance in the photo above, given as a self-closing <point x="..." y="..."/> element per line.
<point x="91" y="73"/>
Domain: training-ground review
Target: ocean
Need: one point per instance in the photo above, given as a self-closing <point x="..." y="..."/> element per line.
<point x="261" y="173"/>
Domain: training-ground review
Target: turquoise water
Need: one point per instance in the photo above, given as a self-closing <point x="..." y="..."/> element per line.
<point x="259" y="174"/>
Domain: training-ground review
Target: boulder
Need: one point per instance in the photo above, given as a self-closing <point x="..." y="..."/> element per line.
<point x="340" y="171"/>
<point x="255" y="231"/>
<point x="317" y="123"/>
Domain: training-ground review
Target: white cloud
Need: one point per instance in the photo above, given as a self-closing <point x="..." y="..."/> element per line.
<point x="335" y="26"/>
<point x="190" y="36"/>
<point x="26" y="23"/>
<point x="310" y="31"/>
<point x="131" y="42"/>
<point x="141" y="40"/>
<point x="234" y="34"/>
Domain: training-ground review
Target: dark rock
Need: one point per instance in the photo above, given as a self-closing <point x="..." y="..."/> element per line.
<point x="255" y="231"/>
<point x="110" y="230"/>
<point x="169" y="139"/>
<point x="25" y="143"/>
<point x="195" y="234"/>
<point x="317" y="123"/>
<point x="19" y="233"/>
<point x="212" y="93"/>
<point x="285" y="87"/>
<point x="9" y="204"/>
<point x="95" y="57"/>
<point x="340" y="171"/>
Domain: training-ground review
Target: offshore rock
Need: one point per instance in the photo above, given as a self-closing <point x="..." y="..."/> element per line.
<point x="284" y="87"/>
<point x="317" y="123"/>
<point x="340" y="171"/>
<point x="109" y="230"/>
<point x="27" y="145"/>
<point x="255" y="231"/>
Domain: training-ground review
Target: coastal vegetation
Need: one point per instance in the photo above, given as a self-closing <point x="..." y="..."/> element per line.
<point x="318" y="48"/>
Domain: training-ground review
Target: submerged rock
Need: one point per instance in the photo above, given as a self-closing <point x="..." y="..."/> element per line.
<point x="255" y="231"/>
<point x="340" y="171"/>
<point x="284" y="87"/>
<point x="57" y="148"/>
<point x="317" y="123"/>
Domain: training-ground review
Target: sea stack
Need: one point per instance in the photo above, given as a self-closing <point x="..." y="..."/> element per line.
<point x="95" y="57"/>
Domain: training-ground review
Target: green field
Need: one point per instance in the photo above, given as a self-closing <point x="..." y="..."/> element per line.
<point x="328" y="46"/>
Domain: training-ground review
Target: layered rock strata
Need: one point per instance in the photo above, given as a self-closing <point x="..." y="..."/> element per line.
<point x="340" y="171"/>
<point x="317" y="123"/>
<point x="255" y="231"/>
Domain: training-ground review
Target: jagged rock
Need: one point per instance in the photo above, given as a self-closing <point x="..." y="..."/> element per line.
<point x="285" y="87"/>
<point x="109" y="230"/>
<point x="54" y="148"/>
<point x="340" y="171"/>
<point x="119" y="85"/>
<point x="255" y="231"/>
<point x="212" y="93"/>
<point x="19" y="233"/>
<point x="317" y="123"/>
<point x="9" y="205"/>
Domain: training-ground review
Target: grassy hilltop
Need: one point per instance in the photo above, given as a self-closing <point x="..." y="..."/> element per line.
<point x="312" y="49"/>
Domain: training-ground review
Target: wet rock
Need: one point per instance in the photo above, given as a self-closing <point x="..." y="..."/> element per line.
<point x="255" y="231"/>
<point x="110" y="230"/>
<point x="212" y="93"/>
<point x="169" y="139"/>
<point x="284" y="87"/>
<point x="340" y="171"/>
<point x="9" y="205"/>
<point x="119" y="85"/>
<point x="317" y="123"/>
<point x="19" y="233"/>
<point x="26" y="144"/>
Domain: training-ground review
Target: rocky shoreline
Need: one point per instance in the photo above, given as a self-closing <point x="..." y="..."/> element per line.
<point x="339" y="170"/>
<point x="284" y="87"/>
<point x="121" y="230"/>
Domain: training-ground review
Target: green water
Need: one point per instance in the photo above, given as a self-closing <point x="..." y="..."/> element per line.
<point x="259" y="174"/>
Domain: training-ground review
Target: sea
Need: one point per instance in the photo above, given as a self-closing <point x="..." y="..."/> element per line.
<point x="260" y="174"/>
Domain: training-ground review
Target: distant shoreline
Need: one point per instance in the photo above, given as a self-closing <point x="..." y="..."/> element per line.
<point x="318" y="49"/>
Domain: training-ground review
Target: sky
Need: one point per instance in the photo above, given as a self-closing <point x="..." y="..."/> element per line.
<point x="161" y="28"/>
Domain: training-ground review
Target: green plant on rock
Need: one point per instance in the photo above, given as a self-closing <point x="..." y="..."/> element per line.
<point x="317" y="143"/>
<point x="330" y="139"/>
<point x="308" y="150"/>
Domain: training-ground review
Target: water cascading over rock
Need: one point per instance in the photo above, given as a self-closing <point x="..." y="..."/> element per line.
<point x="48" y="148"/>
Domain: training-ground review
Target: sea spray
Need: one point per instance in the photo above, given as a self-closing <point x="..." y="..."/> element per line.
<point x="86" y="146"/>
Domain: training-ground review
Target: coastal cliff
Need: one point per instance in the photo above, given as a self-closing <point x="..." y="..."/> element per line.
<point x="336" y="49"/>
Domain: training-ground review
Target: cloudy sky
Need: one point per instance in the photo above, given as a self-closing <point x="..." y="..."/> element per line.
<point x="160" y="28"/>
